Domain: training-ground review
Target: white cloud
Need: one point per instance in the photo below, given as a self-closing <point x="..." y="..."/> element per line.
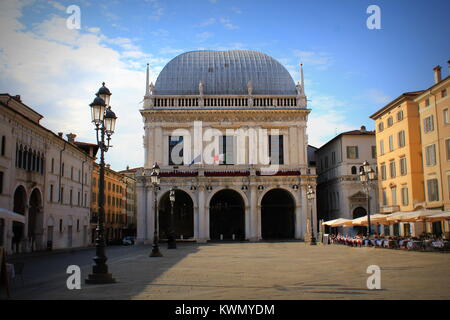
<point x="236" y="10"/>
<point x="57" y="5"/>
<point x="378" y="96"/>
<point x="170" y="51"/>
<point x="203" y="36"/>
<point x="327" y="119"/>
<point x="57" y="71"/>
<point x="207" y="22"/>
<point x="158" y="10"/>
<point x="227" y="24"/>
<point x="321" y="60"/>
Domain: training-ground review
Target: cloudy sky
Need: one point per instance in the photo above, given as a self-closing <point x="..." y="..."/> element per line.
<point x="350" y="70"/>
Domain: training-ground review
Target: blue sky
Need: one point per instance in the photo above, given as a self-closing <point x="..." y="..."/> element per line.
<point x="350" y="71"/>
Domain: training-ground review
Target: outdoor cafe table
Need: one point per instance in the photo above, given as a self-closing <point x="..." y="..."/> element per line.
<point x="389" y="243"/>
<point x="414" y="245"/>
<point x="440" y="244"/>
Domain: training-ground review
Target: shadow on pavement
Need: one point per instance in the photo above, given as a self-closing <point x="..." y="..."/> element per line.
<point x="44" y="276"/>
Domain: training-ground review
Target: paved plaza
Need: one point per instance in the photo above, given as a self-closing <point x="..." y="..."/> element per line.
<point x="265" y="270"/>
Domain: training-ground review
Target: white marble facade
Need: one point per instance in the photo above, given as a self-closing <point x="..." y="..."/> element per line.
<point x="225" y="132"/>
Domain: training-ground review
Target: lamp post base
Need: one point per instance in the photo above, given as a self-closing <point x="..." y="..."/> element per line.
<point x="171" y="242"/>
<point x="100" y="278"/>
<point x="155" y="252"/>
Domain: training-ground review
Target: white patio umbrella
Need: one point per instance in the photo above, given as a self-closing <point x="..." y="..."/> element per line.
<point x="445" y="215"/>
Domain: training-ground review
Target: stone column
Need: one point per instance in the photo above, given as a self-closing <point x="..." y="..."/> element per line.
<point x="247" y="223"/>
<point x="304" y="211"/>
<point x="298" y="222"/>
<point x="150" y="213"/>
<point x="253" y="213"/>
<point x="293" y="146"/>
<point x="301" y="145"/>
<point x="141" y="212"/>
<point x="202" y="233"/>
<point x="314" y="212"/>
<point x="159" y="144"/>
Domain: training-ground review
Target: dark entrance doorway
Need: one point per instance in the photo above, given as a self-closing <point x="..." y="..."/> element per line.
<point x="358" y="213"/>
<point x="20" y="201"/>
<point x="277" y="215"/>
<point x="35" y="220"/>
<point x="227" y="216"/>
<point x="183" y="215"/>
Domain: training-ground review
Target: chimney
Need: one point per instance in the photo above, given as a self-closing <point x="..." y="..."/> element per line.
<point x="60" y="134"/>
<point x="363" y="128"/>
<point x="108" y="166"/>
<point x="17" y="98"/>
<point x="71" y="137"/>
<point x="437" y="74"/>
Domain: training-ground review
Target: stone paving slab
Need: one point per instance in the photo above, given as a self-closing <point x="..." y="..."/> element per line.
<point x="264" y="270"/>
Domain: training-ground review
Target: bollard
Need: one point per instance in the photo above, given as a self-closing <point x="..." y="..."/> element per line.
<point x="221" y="237"/>
<point x="232" y="236"/>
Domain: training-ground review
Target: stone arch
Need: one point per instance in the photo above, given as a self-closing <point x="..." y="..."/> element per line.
<point x="20" y="207"/>
<point x="294" y="196"/>
<point x="227" y="214"/>
<point x="162" y="192"/>
<point x="238" y="190"/>
<point x="278" y="214"/>
<point x="20" y="200"/>
<point x="183" y="214"/>
<point x="35" y="219"/>
<point x="359" y="212"/>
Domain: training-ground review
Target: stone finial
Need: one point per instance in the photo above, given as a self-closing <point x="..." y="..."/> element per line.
<point x="201" y="88"/>
<point x="71" y="137"/>
<point x="250" y="87"/>
<point x="152" y="89"/>
<point x="299" y="89"/>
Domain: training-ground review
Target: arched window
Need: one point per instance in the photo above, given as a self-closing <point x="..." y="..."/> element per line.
<point x="42" y="164"/>
<point x="33" y="163"/>
<point x="361" y="169"/>
<point x="24" y="158"/>
<point x="353" y="170"/>
<point x="3" y="145"/>
<point x="17" y="155"/>
<point x="29" y="160"/>
<point x="38" y="162"/>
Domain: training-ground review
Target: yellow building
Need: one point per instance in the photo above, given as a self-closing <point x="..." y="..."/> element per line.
<point x="434" y="106"/>
<point x="115" y="199"/>
<point x="399" y="158"/>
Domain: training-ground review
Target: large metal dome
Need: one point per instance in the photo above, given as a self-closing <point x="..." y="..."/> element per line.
<point x="224" y="72"/>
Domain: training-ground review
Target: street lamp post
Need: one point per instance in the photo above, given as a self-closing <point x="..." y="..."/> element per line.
<point x="155" y="179"/>
<point x="311" y="195"/>
<point x="367" y="176"/>
<point x="172" y="243"/>
<point x="104" y="120"/>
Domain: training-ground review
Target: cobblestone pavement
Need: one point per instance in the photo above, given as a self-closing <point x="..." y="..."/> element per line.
<point x="264" y="270"/>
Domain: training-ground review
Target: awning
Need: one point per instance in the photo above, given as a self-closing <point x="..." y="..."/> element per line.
<point x="411" y="216"/>
<point x="329" y="222"/>
<point x="445" y="215"/>
<point x="11" y="215"/>
<point x="340" y="223"/>
<point x="394" y="217"/>
<point x="376" y="218"/>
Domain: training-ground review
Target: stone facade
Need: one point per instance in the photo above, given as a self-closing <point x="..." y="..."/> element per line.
<point x="340" y="193"/>
<point x="45" y="178"/>
<point x="221" y="170"/>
